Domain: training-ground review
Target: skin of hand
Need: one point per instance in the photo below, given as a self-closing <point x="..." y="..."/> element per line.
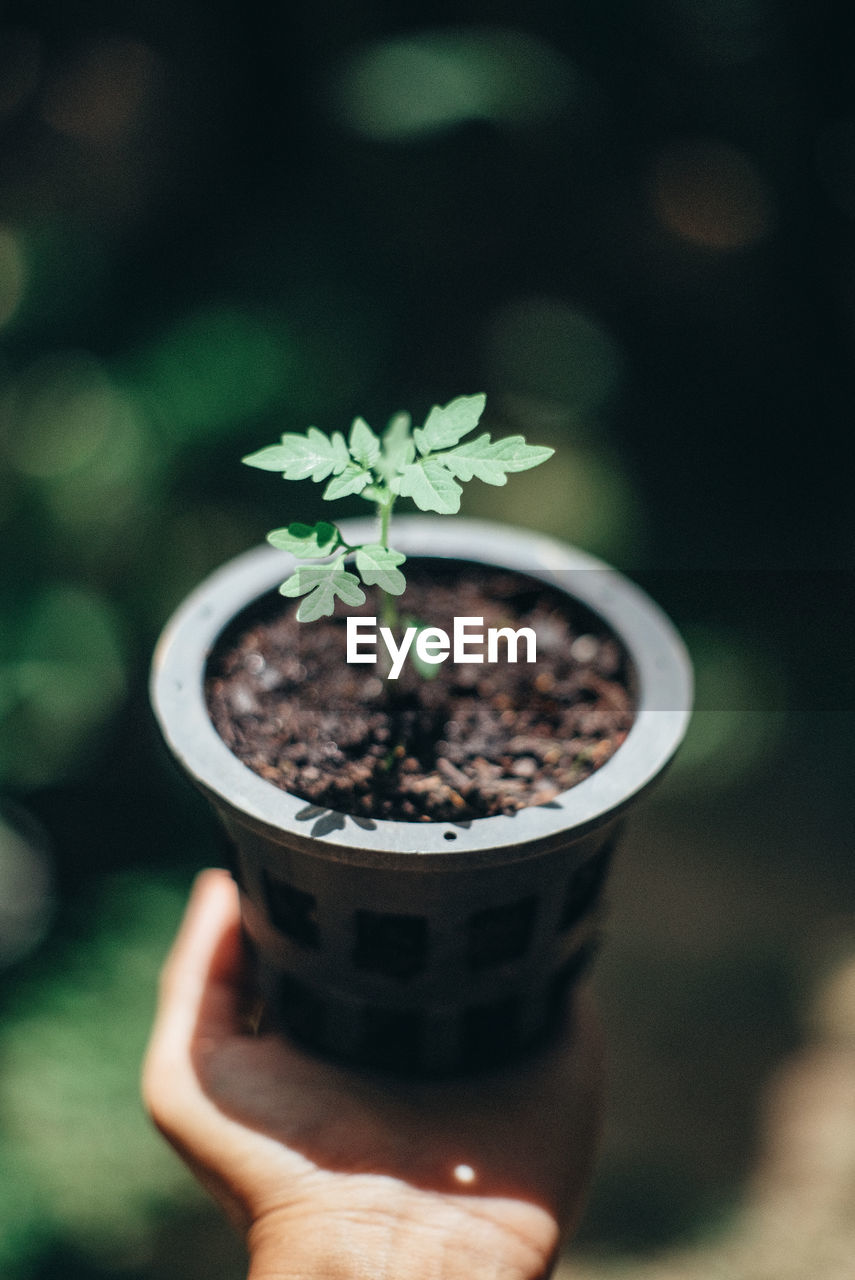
<point x="337" y="1172"/>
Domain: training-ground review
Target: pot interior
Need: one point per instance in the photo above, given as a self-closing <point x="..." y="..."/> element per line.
<point x="536" y="693"/>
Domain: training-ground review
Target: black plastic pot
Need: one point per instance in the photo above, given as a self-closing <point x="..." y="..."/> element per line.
<point x="430" y="947"/>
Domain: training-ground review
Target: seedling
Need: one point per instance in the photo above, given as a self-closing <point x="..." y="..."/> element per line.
<point x="425" y="464"/>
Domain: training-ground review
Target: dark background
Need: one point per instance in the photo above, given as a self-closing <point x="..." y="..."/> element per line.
<point x="632" y="225"/>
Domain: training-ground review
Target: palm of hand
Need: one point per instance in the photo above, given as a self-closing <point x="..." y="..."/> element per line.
<point x="280" y="1136"/>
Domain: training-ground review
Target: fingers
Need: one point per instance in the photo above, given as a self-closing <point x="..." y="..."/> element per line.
<point x="206" y="958"/>
<point x="200" y="1018"/>
<point x="198" y="993"/>
<point x="212" y="906"/>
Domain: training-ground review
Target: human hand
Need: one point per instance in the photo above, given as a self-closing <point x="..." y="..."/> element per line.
<point x="340" y="1173"/>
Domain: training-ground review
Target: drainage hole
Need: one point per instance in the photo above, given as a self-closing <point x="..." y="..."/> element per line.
<point x="449" y="835"/>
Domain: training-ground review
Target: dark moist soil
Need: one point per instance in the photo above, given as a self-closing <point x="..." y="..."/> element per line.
<point x="477" y="740"/>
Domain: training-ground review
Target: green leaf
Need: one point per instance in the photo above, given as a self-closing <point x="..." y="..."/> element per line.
<point x="374" y="494"/>
<point x="352" y="479"/>
<point x="430" y="485"/>
<point x="445" y="426"/>
<point x="322" y="585"/>
<point x="306" y="541"/>
<point x="274" y="458"/>
<point x="300" y="456"/>
<point x="364" y="444"/>
<point x="490" y="461"/>
<point x="399" y="448"/>
<point x="377" y="566"/>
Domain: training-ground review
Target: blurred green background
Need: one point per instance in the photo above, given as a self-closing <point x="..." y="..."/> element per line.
<point x="632" y="225"/>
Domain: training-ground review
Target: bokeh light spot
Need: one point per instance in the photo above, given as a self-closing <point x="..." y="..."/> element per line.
<point x="711" y="194"/>
<point x="832" y="1011"/>
<point x="66" y="267"/>
<point x="464" y="1174"/>
<point x="62" y="674"/>
<point x="215" y="368"/>
<point x="59" y="415"/>
<point x="12" y="274"/>
<point x="87" y="1166"/>
<point x="101" y="95"/>
<point x="739" y="713"/>
<point x="95" y="500"/>
<point x="423" y="84"/>
<point x="26" y="899"/>
<point x="547" y="349"/>
<point x="582" y="494"/>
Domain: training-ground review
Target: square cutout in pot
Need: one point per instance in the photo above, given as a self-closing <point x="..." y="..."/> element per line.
<point x="292" y="911"/>
<point x="394" y="945"/>
<point x="500" y="934"/>
<point x="583" y="888"/>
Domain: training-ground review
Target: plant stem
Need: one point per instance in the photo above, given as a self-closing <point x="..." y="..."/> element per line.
<point x="384" y="510"/>
<point x="388" y="609"/>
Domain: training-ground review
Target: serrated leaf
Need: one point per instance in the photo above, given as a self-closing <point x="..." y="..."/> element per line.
<point x="444" y="426"/>
<point x="275" y="457"/>
<point x="322" y="585"/>
<point x="490" y="460"/>
<point x="377" y="567"/>
<point x="299" y="457"/>
<point x="516" y="455"/>
<point x="321" y="602"/>
<point x="399" y="448"/>
<point x="306" y="541"/>
<point x="397" y="429"/>
<point x="364" y="444"/>
<point x="352" y="479"/>
<point x="304" y="578"/>
<point x="431" y="486"/>
<point x="372" y="494"/>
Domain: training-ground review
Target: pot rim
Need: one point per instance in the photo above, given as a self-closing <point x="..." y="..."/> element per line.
<point x="661" y="663"/>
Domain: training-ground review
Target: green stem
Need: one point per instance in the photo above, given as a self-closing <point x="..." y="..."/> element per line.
<point x="388" y="609"/>
<point x="385" y="512"/>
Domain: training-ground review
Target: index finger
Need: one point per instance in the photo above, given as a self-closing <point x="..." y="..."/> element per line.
<point x="200" y="986"/>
